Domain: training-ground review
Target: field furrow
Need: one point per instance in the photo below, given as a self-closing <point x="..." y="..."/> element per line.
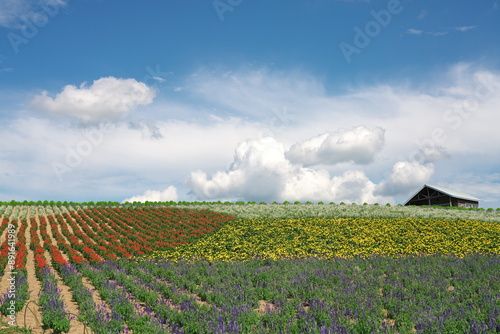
<point x="31" y="318"/>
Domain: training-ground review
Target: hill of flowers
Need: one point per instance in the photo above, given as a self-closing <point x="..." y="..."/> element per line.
<point x="179" y="270"/>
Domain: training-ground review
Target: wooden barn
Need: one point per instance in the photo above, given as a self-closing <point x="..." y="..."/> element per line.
<point x="433" y="195"/>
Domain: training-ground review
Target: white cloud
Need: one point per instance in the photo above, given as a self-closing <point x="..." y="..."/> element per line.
<point x="461" y="104"/>
<point x="169" y="194"/>
<point x="405" y="176"/>
<point x="159" y="79"/>
<point x="438" y="33"/>
<point x="130" y="159"/>
<point x="412" y="31"/>
<point x="418" y="32"/>
<point x="358" y="145"/>
<point x="256" y="94"/>
<point x="464" y="28"/>
<point x="15" y="13"/>
<point x="260" y="171"/>
<point x="430" y="154"/>
<point x="106" y="99"/>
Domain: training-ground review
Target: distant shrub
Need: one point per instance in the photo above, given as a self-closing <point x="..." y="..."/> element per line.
<point x="321" y="203"/>
<point x="296" y="202"/>
<point x="286" y="202"/>
<point x="388" y="204"/>
<point x="240" y="202"/>
<point x="376" y="204"/>
<point x="342" y="203"/>
<point x="263" y="203"/>
<point x="365" y="203"/>
<point x="332" y="203"/>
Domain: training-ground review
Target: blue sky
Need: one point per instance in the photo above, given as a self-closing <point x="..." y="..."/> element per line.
<point x="354" y="101"/>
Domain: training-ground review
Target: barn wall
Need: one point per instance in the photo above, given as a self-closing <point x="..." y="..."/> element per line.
<point x="441" y="199"/>
<point x="467" y="204"/>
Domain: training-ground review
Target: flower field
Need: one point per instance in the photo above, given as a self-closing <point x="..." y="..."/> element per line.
<point x="345" y="237"/>
<point x="156" y="269"/>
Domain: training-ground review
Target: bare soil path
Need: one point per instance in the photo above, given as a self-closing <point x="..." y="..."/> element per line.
<point x="77" y="327"/>
<point x="86" y="282"/>
<point x="100" y="304"/>
<point x="33" y="319"/>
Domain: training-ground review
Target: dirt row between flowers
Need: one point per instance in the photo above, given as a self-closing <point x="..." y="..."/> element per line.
<point x="140" y="307"/>
<point x="66" y="292"/>
<point x="33" y="317"/>
<point x="264" y="306"/>
<point x="30" y="316"/>
<point x="196" y="298"/>
<point x="86" y="282"/>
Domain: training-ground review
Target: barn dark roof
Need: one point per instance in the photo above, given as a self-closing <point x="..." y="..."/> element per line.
<point x="447" y="191"/>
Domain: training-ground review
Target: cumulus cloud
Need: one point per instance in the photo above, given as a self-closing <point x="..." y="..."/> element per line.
<point x="107" y="98"/>
<point x="431" y="154"/>
<point x="405" y="177"/>
<point x="261" y="171"/>
<point x="169" y="194"/>
<point x="358" y="145"/>
<point x="258" y="171"/>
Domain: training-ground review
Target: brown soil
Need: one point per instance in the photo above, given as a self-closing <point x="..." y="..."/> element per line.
<point x="77" y="327"/>
<point x="95" y="295"/>
<point x="196" y="298"/>
<point x="33" y="317"/>
<point x="265" y="307"/>
<point x="100" y="304"/>
<point x="86" y="282"/>
<point x="70" y="229"/>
